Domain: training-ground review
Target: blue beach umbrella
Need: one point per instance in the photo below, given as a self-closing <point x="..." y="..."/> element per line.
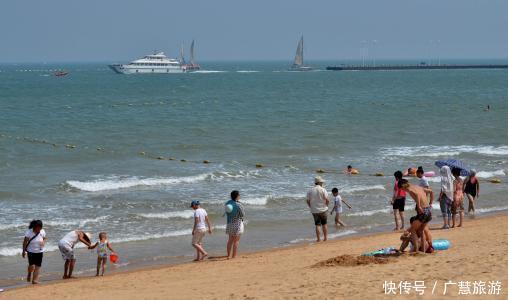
<point x="453" y="163"/>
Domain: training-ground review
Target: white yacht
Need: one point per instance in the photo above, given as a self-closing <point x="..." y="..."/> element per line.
<point x="154" y="63"/>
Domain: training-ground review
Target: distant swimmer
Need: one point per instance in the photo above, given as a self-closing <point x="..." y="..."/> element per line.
<point x="351" y="171"/>
<point x="411" y="172"/>
<point x="488" y="107"/>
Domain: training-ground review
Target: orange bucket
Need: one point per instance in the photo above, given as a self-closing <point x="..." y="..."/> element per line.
<point x="113" y="258"/>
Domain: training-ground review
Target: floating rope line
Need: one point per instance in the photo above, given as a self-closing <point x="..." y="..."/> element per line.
<point x="170" y="158"/>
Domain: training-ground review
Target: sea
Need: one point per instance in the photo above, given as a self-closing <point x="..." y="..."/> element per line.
<point x="126" y="154"/>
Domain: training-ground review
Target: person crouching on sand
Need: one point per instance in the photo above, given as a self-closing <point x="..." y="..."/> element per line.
<point x="201" y="222"/>
<point x="66" y="247"/>
<point x="337" y="207"/>
<point x="398" y="202"/>
<point x="234" y="226"/>
<point x="423" y="212"/>
<point x="33" y="247"/>
<point x="406" y="238"/>
<point x="102" y="252"/>
<point x="317" y="200"/>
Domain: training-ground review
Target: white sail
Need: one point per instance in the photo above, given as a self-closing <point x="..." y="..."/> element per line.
<point x="299" y="54"/>
<point x="192" y="53"/>
<point x="182" y="57"/>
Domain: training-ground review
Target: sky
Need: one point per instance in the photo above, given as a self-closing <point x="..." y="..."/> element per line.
<point x="122" y="30"/>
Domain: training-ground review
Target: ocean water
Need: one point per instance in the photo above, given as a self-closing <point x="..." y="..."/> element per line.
<point x="99" y="151"/>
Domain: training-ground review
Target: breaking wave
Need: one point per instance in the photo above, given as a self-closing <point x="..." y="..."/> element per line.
<point x="115" y="183"/>
<point x="441" y="151"/>
<point x="183" y="214"/>
<point x="361" y="188"/>
<point x="485" y="174"/>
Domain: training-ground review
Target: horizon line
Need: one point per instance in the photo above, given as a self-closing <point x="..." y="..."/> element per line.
<point x="369" y="60"/>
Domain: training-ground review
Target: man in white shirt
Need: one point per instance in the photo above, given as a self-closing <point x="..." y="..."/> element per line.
<point x="317" y="200"/>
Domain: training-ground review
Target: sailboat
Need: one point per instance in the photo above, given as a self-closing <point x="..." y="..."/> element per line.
<point x="298" y="63"/>
<point x="192" y="65"/>
<point x="181" y="59"/>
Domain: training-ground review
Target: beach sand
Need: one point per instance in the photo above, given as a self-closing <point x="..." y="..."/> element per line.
<point x="478" y="253"/>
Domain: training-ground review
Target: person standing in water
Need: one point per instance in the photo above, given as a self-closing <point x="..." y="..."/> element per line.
<point x="337" y="207"/>
<point x="234" y="226"/>
<point x="66" y="247"/>
<point x="103" y="245"/>
<point x="201" y="223"/>
<point x="458" y="198"/>
<point x="398" y="202"/>
<point x="317" y="201"/>
<point x="422" y="180"/>
<point x="472" y="191"/>
<point x="33" y="247"/>
<point x="446" y="195"/>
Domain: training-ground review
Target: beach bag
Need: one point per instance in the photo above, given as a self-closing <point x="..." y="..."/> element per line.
<point x="242" y="228"/>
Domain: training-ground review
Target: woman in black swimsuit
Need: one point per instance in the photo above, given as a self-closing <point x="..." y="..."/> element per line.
<point x="472" y="191"/>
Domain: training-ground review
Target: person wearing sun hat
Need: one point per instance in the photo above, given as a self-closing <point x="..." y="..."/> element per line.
<point x="201" y="222"/>
<point x="317" y="200"/>
<point x="66" y="247"/>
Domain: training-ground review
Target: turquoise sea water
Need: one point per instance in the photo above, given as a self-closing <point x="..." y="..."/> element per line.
<point x="235" y="115"/>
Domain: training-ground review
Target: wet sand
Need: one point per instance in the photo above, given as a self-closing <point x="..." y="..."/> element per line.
<point x="478" y="253"/>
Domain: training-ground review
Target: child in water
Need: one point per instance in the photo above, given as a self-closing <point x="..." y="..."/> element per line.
<point x="102" y="252"/>
<point x="337" y="207"/>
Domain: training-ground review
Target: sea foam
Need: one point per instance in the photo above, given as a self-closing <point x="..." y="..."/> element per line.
<point x="183" y="214"/>
<point x="362" y="188"/>
<point x="115" y="183"/>
<point x="444" y="151"/>
<point x="486" y="174"/>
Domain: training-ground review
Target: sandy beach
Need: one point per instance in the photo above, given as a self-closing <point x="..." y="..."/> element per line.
<point x="300" y="272"/>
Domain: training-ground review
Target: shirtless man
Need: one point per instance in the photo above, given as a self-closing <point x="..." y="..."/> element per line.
<point x="351" y="171"/>
<point x="423" y="213"/>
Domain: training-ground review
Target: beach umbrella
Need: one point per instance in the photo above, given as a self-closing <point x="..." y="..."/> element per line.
<point x="453" y="163"/>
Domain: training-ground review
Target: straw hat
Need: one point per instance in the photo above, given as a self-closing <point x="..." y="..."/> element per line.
<point x="318" y="180"/>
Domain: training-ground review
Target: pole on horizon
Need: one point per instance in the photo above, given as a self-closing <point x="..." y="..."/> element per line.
<point x="364" y="52"/>
<point x="438" y="53"/>
<point x="374" y="42"/>
<point x="431" y="42"/>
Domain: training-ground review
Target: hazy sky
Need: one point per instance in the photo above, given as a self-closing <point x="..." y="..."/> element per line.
<point x="121" y="30"/>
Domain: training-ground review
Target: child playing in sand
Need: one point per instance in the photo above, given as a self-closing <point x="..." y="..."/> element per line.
<point x="201" y="221"/>
<point x="102" y="252"/>
<point x="337" y="207"/>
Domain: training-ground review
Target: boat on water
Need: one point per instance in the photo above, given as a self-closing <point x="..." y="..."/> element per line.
<point x="61" y="73"/>
<point x="298" y="62"/>
<point x="158" y="63"/>
<point x="192" y="65"/>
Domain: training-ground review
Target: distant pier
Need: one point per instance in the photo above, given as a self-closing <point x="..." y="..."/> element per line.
<point x="413" y="67"/>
